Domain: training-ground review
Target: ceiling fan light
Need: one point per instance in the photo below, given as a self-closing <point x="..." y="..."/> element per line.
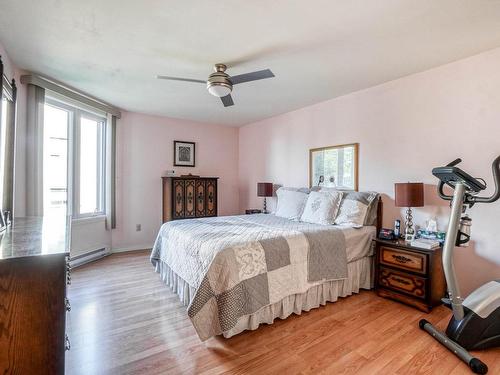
<point x="219" y="89"/>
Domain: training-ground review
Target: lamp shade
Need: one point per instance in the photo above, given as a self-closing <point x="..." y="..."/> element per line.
<point x="409" y="194"/>
<point x="264" y="189"/>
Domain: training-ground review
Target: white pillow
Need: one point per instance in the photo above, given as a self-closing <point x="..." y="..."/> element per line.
<point x="290" y="203"/>
<point x="351" y="212"/>
<point x="322" y="207"/>
<point x="358" y="208"/>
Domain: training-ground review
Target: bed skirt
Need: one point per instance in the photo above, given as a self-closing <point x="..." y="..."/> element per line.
<point x="359" y="276"/>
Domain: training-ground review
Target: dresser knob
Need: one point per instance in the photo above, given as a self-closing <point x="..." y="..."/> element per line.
<point x="68" y="305"/>
<point x="67" y="345"/>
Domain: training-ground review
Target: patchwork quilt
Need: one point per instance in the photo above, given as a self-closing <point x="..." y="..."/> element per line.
<point x="240" y="264"/>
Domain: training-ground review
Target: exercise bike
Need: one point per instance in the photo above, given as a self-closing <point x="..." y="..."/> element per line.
<point x="475" y="323"/>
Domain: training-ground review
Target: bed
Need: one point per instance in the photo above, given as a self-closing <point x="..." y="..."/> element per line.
<point x="236" y="272"/>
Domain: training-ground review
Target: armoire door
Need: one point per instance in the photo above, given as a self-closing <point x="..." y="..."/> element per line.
<point x="211" y="202"/>
<point x="200" y="198"/>
<point x="190" y="198"/>
<point x="178" y="198"/>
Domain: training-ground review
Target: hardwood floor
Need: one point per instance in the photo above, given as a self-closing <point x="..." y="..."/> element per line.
<point x="125" y="321"/>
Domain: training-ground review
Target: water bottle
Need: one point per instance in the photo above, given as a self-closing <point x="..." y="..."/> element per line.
<point x="463" y="236"/>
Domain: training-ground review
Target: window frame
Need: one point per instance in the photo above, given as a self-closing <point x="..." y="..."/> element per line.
<point x="74" y="131"/>
<point x="355" y="167"/>
<point x="101" y="164"/>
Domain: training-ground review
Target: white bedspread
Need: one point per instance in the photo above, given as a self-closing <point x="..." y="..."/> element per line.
<point x="189" y="256"/>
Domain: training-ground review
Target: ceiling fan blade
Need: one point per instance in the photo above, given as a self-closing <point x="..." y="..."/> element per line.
<point x="227" y="100"/>
<point x="181" y="79"/>
<point x="254" y="76"/>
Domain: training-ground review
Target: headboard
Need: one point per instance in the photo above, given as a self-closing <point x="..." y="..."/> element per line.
<point x="380" y="211"/>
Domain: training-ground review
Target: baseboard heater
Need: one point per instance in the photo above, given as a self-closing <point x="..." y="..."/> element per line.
<point x="89" y="256"/>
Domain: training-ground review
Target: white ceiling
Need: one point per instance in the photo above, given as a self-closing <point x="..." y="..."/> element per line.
<point x="320" y="49"/>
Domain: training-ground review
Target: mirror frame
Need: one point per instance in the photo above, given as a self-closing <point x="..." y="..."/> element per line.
<point x="356" y="161"/>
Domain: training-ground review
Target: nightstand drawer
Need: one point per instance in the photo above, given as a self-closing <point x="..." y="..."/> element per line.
<point x="402" y="282"/>
<point x="402" y="259"/>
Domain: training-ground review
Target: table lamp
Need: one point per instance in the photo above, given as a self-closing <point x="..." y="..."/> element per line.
<point x="409" y="194"/>
<point x="265" y="189"/>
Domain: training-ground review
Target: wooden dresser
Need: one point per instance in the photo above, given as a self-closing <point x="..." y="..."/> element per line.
<point x="189" y="197"/>
<point x="33" y="304"/>
<point x="408" y="274"/>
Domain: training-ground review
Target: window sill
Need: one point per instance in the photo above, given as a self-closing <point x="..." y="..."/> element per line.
<point x="89" y="219"/>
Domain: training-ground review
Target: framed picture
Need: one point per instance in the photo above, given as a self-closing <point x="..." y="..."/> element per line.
<point x="334" y="166"/>
<point x="184" y="154"/>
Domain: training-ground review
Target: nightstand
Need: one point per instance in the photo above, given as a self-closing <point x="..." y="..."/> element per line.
<point x="409" y="274"/>
<point x="253" y="211"/>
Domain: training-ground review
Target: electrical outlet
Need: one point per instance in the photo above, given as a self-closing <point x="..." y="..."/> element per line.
<point x="138" y="227"/>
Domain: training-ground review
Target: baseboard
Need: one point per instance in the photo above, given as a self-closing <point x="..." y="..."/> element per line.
<point x="132" y="248"/>
<point x="88" y="257"/>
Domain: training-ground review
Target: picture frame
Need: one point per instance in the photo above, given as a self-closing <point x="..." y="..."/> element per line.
<point x="184" y="154"/>
<point x="334" y="166"/>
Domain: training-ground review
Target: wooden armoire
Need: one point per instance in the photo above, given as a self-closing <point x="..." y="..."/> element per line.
<point x="188" y="197"/>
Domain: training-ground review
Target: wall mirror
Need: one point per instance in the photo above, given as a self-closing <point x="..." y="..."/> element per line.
<point x="334" y="166"/>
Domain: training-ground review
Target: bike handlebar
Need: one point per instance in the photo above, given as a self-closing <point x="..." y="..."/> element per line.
<point x="441" y="192"/>
<point x="495" y="167"/>
<point x="471" y="199"/>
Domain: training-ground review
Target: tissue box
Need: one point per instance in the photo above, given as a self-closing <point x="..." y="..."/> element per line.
<point x="432" y="235"/>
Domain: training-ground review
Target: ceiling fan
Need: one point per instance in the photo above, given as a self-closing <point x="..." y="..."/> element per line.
<point x="220" y="83"/>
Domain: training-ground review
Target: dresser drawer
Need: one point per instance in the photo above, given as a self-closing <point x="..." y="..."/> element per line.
<point x="402" y="259"/>
<point x="402" y="282"/>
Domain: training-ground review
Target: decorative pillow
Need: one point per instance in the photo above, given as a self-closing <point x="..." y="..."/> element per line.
<point x="355" y="207"/>
<point x="302" y="189"/>
<point x="322" y="207"/>
<point x="329" y="188"/>
<point x="372" y="211"/>
<point x="290" y="203"/>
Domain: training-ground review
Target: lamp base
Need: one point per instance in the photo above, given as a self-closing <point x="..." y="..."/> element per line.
<point x="409" y="231"/>
<point x="264" y="211"/>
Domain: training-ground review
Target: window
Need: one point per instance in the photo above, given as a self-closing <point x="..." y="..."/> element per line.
<point x="335" y="166"/>
<point x="55" y="160"/>
<point x="91" y="163"/>
<point x="74" y="156"/>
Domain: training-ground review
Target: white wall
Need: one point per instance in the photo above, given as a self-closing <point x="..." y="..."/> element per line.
<point x="405" y="128"/>
<point x="145" y="153"/>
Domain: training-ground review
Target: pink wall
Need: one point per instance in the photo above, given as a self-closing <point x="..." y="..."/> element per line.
<point x="405" y="128"/>
<point x="145" y="152"/>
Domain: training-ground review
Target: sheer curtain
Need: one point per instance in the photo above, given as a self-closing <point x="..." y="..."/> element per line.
<point x="10" y="140"/>
<point x="34" y="151"/>
<point x="110" y="172"/>
<point x="8" y="92"/>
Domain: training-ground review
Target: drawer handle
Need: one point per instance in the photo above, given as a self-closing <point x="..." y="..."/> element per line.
<point x="401" y="281"/>
<point x="401" y="259"/>
<point x="67" y="345"/>
<point x="68" y="305"/>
